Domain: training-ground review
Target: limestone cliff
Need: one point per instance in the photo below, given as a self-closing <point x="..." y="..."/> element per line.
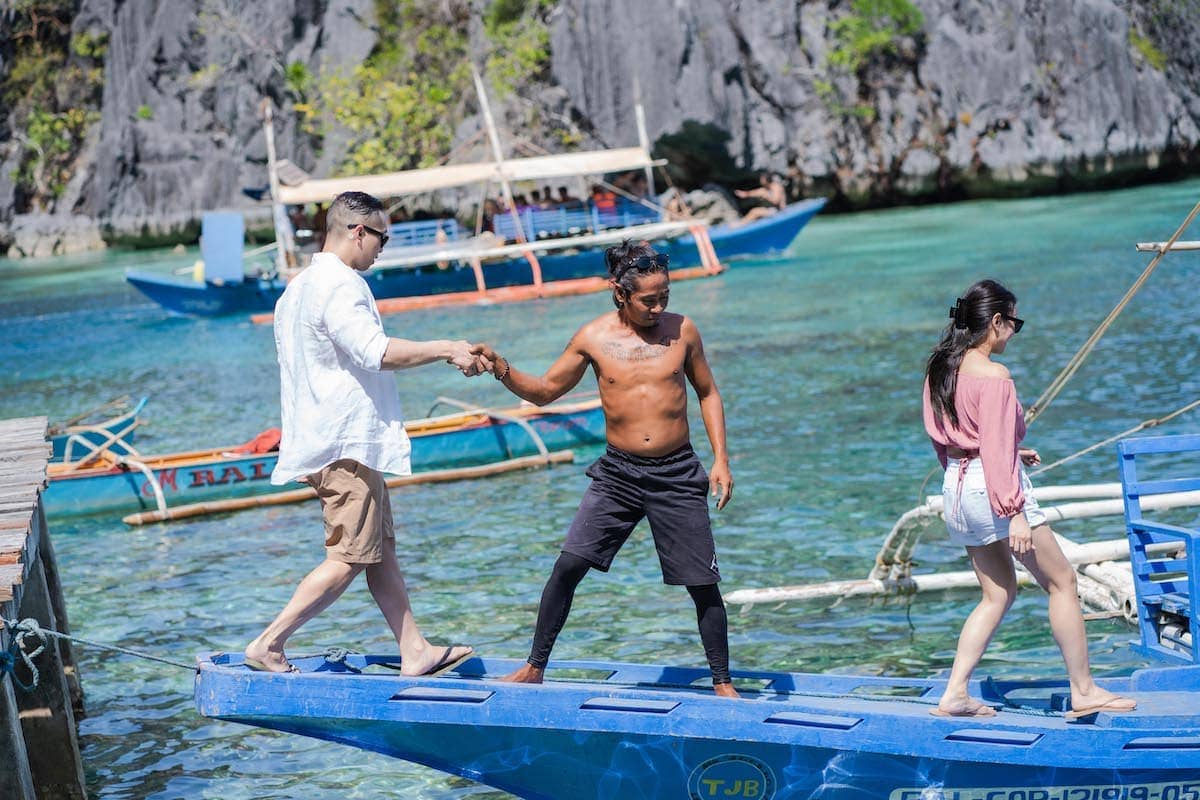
<point x="986" y="97"/>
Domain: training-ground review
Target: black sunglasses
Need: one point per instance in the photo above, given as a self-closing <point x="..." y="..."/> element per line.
<point x="1016" y="321"/>
<point x="642" y="263"/>
<point x="383" y="237"/>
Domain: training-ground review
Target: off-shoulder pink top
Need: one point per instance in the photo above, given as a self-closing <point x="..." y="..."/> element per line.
<point x="992" y="422"/>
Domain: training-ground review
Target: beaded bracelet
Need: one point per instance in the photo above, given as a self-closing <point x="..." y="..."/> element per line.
<point x="507" y="367"/>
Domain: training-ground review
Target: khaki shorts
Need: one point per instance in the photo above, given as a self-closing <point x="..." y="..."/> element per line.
<point x="357" y="511"/>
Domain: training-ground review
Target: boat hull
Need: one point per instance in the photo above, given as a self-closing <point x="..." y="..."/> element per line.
<point x="761" y="237"/>
<point x="650" y="732"/>
<point x="219" y="475"/>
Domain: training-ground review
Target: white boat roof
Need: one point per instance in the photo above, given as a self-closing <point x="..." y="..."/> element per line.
<point x="415" y="181"/>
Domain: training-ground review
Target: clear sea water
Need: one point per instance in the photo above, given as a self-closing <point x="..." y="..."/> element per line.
<point x="819" y="357"/>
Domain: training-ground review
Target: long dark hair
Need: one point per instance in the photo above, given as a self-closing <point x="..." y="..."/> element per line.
<point x="969" y="320"/>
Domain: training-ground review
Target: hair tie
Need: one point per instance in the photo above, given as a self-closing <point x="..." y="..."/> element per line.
<point x="958" y="313"/>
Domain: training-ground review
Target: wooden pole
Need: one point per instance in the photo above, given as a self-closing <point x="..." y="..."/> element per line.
<point x="300" y="495"/>
<point x="640" y="115"/>
<point x="47" y="719"/>
<point x="285" y="255"/>
<point x="498" y="154"/>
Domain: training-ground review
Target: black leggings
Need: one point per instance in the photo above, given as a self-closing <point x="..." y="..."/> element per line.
<point x="560" y="592"/>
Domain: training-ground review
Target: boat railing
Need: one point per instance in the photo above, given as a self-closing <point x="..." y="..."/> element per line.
<point x="423" y="231"/>
<point x="1165" y="582"/>
<point x="550" y="223"/>
<point x="469" y="408"/>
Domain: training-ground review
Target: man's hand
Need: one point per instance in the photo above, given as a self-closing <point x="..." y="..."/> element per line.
<point x="1029" y="456"/>
<point x="720" y="482"/>
<point x="462" y="357"/>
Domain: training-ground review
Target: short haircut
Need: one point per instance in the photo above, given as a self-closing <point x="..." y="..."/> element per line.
<point x="352" y="208"/>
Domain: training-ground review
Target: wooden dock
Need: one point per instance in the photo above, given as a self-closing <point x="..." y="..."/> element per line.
<point x="39" y="751"/>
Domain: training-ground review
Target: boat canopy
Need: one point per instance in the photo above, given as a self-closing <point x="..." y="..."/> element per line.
<point x="415" y="181"/>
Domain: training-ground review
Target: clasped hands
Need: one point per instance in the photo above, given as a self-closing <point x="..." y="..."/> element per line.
<point x="473" y="359"/>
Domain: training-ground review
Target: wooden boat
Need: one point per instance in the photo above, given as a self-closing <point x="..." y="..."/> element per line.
<point x="83" y="434"/>
<point x="467" y="437"/>
<point x="614" y="730"/>
<point x="431" y="257"/>
<point x="412" y="270"/>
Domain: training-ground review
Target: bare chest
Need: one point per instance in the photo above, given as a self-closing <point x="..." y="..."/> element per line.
<point x="626" y="361"/>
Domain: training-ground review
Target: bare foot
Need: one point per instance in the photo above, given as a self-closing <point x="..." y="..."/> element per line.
<point x="526" y="674"/>
<point x="434" y="660"/>
<point x="962" y="707"/>
<point x="725" y="690"/>
<point x="1099" y="700"/>
<point x="262" y="659"/>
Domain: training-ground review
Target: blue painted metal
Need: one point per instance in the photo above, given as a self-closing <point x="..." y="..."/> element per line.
<point x="613" y="730"/>
<point x="1166" y="583"/>
<point x="761" y="237"/>
<point x="115" y="434"/>
<point x="221" y="473"/>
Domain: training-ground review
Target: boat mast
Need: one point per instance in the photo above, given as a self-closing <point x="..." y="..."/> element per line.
<point x="285" y="255"/>
<point x="498" y="154"/>
<point x="640" y="114"/>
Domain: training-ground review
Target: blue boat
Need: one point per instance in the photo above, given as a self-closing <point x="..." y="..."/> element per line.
<point x="258" y="292"/>
<point x="466" y="438"/>
<point x="78" y="437"/>
<point x="615" y="730"/>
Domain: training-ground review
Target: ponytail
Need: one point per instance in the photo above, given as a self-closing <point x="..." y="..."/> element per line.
<point x="970" y="316"/>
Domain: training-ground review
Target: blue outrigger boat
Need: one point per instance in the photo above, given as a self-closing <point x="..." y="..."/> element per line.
<point x="241" y="293"/>
<point x="82" y="435"/>
<point x="120" y="483"/>
<point x="612" y="730"/>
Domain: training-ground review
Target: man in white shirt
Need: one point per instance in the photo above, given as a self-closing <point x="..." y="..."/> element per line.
<point x="343" y="428"/>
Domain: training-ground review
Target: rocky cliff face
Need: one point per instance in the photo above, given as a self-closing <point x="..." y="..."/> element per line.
<point x="989" y="96"/>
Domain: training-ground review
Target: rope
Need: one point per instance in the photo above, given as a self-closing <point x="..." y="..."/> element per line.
<point x="16" y="648"/>
<point x="1056" y="386"/>
<point x="1149" y="423"/>
<point x="23" y="629"/>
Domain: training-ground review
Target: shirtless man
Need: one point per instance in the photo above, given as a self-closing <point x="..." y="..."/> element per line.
<point x="641" y="355"/>
<point x="770" y="190"/>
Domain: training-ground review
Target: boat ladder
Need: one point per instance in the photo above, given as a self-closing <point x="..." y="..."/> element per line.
<point x="1166" y="582"/>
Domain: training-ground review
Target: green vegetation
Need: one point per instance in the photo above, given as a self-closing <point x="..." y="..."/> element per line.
<point x="872" y="28"/>
<point x="401" y="106"/>
<point x="144" y="112"/>
<point x="53" y="89"/>
<point x="1146" y="49"/>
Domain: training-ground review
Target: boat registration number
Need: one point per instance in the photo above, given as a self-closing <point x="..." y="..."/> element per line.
<point x="1138" y="791"/>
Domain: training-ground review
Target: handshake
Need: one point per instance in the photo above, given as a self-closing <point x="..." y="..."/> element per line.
<point x="476" y="359"/>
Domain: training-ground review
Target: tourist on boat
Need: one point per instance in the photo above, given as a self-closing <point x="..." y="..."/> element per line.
<point x="643" y="357"/>
<point x="972" y="415"/>
<point x="343" y="428"/>
<point x="567" y="200"/>
<point x="770" y="194"/>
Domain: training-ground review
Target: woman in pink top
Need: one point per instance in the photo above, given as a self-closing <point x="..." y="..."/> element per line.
<point x="976" y="424"/>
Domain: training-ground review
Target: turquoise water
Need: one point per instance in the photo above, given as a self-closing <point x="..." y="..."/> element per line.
<point x="819" y="357"/>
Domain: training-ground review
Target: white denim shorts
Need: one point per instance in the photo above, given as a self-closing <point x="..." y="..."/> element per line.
<point x="969" y="517"/>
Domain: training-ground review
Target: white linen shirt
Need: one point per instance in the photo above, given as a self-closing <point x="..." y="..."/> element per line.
<point x="335" y="399"/>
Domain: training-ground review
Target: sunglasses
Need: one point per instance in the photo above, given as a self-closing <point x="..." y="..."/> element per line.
<point x="1016" y="322"/>
<point x="383" y="237"/>
<point x="642" y="263"/>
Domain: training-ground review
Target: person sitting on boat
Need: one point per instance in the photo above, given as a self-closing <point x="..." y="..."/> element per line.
<point x="342" y="428"/>
<point x="641" y="355"/>
<point x="770" y="193"/>
<point x="972" y="415"/>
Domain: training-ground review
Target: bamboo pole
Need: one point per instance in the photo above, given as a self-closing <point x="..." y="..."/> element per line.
<point x="300" y="495"/>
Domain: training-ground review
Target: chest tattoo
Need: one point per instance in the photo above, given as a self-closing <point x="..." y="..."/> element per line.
<point x="639" y="352"/>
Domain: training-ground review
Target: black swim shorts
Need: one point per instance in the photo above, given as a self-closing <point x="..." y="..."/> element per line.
<point x="671" y="491"/>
